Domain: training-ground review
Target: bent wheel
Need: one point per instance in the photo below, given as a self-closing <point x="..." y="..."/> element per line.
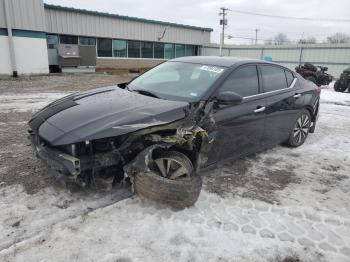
<point x="171" y="180"/>
<point x="300" y="130"/>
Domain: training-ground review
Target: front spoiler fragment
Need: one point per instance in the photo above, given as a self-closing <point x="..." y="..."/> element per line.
<point x="57" y="160"/>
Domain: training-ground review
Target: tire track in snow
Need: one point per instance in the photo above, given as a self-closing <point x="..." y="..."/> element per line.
<point x="120" y="195"/>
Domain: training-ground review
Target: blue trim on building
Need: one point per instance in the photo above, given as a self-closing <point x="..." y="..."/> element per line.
<point x="30" y="34"/>
<point x="3" y="31"/>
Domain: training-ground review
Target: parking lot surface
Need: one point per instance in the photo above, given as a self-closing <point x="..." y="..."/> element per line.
<point x="285" y="204"/>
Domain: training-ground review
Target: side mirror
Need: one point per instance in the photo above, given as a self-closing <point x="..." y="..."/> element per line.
<point x="229" y="98"/>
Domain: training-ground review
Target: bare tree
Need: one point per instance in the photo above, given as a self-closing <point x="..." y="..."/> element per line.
<point x="338" y="38"/>
<point x="281" y="39"/>
<point x="309" y="40"/>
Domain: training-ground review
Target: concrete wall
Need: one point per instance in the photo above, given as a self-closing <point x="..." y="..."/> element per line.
<point x="5" y="62"/>
<point x="31" y="55"/>
<point x="334" y="56"/>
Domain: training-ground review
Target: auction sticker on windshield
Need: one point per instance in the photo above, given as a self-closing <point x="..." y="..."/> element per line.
<point x="212" y="69"/>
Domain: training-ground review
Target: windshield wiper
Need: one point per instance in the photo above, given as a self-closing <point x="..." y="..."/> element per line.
<point x="145" y="92"/>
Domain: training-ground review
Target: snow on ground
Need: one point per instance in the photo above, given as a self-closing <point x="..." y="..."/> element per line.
<point x="27" y="102"/>
<point x="288" y="204"/>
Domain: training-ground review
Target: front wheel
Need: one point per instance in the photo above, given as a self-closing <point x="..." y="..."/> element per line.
<point x="300" y="130"/>
<point x="171" y="180"/>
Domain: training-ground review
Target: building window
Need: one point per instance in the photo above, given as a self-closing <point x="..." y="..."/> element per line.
<point x="104" y="47"/>
<point x="119" y="48"/>
<point x="190" y="50"/>
<point x="159" y="50"/>
<point x="87" y="40"/>
<point x="134" y="49"/>
<point x="179" y="50"/>
<point x="168" y="51"/>
<point x="146" y="49"/>
<point x="68" y="39"/>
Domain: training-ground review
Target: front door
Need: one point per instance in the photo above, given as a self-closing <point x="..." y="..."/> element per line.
<point x="239" y="127"/>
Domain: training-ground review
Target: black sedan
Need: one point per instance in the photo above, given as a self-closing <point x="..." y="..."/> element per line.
<point x="160" y="129"/>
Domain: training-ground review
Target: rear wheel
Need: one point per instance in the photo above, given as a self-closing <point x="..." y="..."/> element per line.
<point x="300" y="130"/>
<point x="171" y="180"/>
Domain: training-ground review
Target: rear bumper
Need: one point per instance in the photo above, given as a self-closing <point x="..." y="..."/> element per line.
<point x="55" y="159"/>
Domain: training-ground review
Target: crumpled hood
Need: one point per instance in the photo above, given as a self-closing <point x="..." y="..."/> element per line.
<point x="102" y="112"/>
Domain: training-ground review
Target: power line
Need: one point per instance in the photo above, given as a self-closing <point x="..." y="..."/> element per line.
<point x="292" y="17"/>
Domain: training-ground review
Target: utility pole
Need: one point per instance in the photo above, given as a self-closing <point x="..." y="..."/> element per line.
<point x="223" y="23"/>
<point x="301" y="48"/>
<point x="256" y="35"/>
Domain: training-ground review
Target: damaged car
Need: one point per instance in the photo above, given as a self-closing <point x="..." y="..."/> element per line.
<point x="160" y="129"/>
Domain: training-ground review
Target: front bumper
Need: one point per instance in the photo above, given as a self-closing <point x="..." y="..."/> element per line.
<point x="55" y="159"/>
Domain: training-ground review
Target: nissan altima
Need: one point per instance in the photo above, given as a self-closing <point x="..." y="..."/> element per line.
<point x="160" y="129"/>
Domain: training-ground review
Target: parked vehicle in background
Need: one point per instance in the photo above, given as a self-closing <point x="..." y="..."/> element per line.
<point x="343" y="82"/>
<point x="164" y="126"/>
<point x="315" y="74"/>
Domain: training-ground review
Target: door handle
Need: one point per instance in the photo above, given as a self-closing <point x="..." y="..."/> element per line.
<point x="260" y="109"/>
<point x="297" y="95"/>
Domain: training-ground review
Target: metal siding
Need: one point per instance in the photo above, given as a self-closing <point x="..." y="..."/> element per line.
<point x="25" y="14"/>
<point x="2" y="14"/>
<point x="334" y="56"/>
<point x="282" y="55"/>
<point x="68" y="22"/>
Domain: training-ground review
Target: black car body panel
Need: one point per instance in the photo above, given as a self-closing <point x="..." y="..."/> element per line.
<point x="111" y="126"/>
<point x="105" y="112"/>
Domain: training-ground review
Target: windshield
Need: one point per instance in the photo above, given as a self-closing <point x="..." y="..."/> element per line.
<point x="177" y="80"/>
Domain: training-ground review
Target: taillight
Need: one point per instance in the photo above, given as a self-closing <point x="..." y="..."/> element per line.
<point x="317" y="90"/>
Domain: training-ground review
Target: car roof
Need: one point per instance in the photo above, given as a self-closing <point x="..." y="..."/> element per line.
<point x="226" y="61"/>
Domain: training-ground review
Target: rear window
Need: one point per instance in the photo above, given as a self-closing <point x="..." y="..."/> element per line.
<point x="273" y="78"/>
<point x="290" y="77"/>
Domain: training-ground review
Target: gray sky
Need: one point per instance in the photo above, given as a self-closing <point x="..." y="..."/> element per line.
<point x="205" y="13"/>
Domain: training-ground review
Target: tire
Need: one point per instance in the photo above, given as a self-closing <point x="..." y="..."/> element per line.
<point x="180" y="192"/>
<point x="300" y="129"/>
<point x="311" y="78"/>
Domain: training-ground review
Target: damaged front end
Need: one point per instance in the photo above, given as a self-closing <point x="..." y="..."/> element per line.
<point x="105" y="161"/>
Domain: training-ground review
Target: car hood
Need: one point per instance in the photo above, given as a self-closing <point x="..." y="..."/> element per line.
<point x="102" y="112"/>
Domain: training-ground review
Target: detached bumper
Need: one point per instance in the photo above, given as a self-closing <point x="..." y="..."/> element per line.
<point x="55" y="159"/>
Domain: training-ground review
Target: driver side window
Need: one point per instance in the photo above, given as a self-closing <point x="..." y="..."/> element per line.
<point x="243" y="81"/>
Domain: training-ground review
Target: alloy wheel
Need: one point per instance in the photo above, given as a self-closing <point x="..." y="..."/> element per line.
<point x="301" y="128"/>
<point x="172" y="168"/>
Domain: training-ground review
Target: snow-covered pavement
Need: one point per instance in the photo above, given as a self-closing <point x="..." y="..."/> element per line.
<point x="286" y="204"/>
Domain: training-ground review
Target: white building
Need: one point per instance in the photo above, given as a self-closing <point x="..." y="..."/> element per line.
<point x="35" y="36"/>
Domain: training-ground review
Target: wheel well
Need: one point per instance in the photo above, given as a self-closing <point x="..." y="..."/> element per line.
<point x="310" y="109"/>
<point x="191" y="154"/>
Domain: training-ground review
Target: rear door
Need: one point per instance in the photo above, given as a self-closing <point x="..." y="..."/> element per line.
<point x="282" y="103"/>
<point x="239" y="127"/>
